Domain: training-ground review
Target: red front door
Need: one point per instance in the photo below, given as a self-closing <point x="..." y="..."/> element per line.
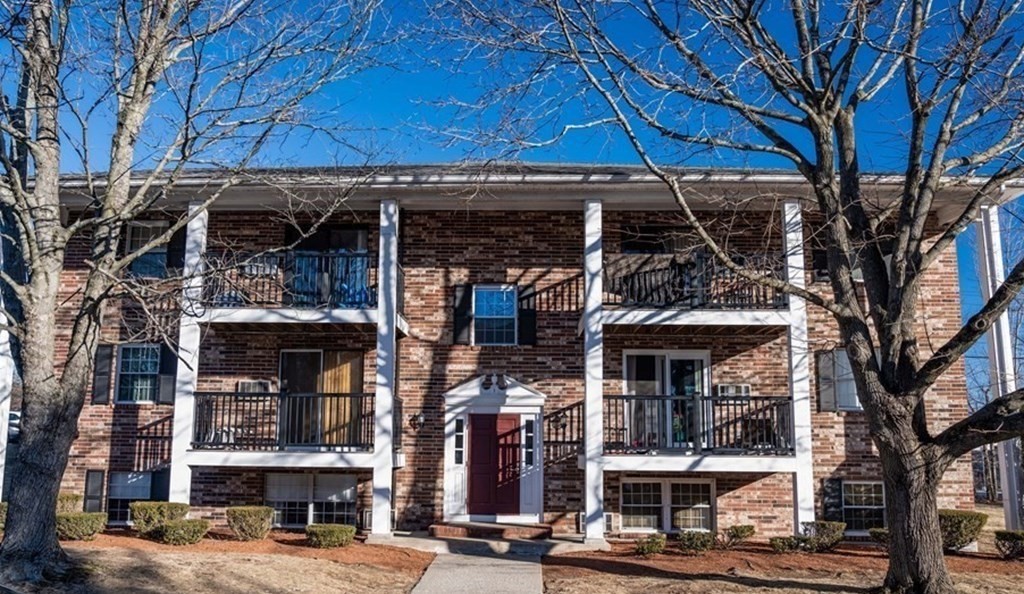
<point x="494" y="455"/>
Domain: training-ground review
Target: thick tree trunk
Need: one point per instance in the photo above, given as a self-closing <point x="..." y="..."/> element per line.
<point x="916" y="564"/>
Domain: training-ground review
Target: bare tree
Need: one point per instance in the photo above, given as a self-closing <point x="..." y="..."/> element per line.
<point x="133" y="95"/>
<point x="793" y="82"/>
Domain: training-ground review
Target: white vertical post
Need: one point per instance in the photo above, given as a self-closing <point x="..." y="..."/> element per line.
<point x="799" y="367"/>
<point x="593" y="353"/>
<point x="387" y="355"/>
<point x="189" y="335"/>
<point x="1002" y="372"/>
<point x="6" y="382"/>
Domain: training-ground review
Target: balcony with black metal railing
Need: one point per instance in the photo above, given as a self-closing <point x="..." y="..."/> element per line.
<point x="694" y="281"/>
<point x="261" y="421"/>
<point x="698" y="425"/>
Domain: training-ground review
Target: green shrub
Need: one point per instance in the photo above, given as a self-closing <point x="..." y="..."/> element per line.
<point x="147" y="516"/>
<point x="80" y="525"/>
<point x="181" y="532"/>
<point x="651" y="545"/>
<point x="880" y="536"/>
<point x="69" y="503"/>
<point x="330" y="536"/>
<point x="1010" y="543"/>
<point x="735" y="535"/>
<point x="693" y="542"/>
<point x="3" y="515"/>
<point x="960" y="528"/>
<point x="786" y="544"/>
<point x="250" y="522"/>
<point x="822" y="537"/>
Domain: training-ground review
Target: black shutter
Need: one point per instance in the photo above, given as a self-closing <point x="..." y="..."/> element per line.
<point x="168" y="375"/>
<point x="93" y="491"/>
<point x="463" y="313"/>
<point x="832" y="500"/>
<point x="101" y="376"/>
<point x="160" y="485"/>
<point x="527" y="315"/>
<point x="176" y="250"/>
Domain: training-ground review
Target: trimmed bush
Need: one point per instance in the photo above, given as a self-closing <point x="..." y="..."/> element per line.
<point x="786" y="544"/>
<point x="181" y="532"/>
<point x="69" y="503"/>
<point x="822" y="537"/>
<point x="3" y="514"/>
<point x="735" y="535"/>
<point x="147" y="516"/>
<point x="250" y="522"/>
<point x="880" y="536"/>
<point x="693" y="542"/>
<point x="960" y="528"/>
<point x="80" y="525"/>
<point x="1010" y="543"/>
<point x="651" y="545"/>
<point x="330" y="536"/>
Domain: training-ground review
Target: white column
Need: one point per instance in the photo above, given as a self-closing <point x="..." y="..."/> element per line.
<point x="387" y="343"/>
<point x="189" y="334"/>
<point x="593" y="354"/>
<point x="1002" y="372"/>
<point x="6" y="381"/>
<point x="799" y="367"/>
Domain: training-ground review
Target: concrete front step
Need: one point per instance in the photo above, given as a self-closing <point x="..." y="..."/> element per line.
<point x="488" y="530"/>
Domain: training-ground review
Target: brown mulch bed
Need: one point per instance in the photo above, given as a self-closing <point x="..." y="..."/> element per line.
<point x="849" y="569"/>
<point x="122" y="563"/>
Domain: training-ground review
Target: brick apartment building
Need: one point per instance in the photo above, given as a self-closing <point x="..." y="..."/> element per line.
<point x="556" y="349"/>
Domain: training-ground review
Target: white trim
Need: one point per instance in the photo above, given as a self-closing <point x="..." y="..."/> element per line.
<point x="593" y="390"/>
<point x="702" y="355"/>
<point x="673" y="317"/>
<point x="189" y="339"/>
<point x="473" y="316"/>
<point x="290" y="459"/>
<point x="120" y="361"/>
<point x="383" y="458"/>
<point x="287" y="315"/>
<point x="799" y="368"/>
<point x="1002" y="372"/>
<point x="666" y="502"/>
<point x="697" y="463"/>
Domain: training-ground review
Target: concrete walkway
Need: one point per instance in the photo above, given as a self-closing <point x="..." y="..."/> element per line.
<point x="494" y="574"/>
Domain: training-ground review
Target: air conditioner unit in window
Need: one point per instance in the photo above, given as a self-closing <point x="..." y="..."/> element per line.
<point x="367" y="522"/>
<point x="733" y="390"/>
<point x="253" y="386"/>
<point x="611" y="522"/>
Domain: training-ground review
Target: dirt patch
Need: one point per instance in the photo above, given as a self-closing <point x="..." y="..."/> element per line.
<point x="853" y="570"/>
<point x="122" y="564"/>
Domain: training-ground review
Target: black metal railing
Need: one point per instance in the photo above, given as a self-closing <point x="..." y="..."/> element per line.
<point x="274" y="421"/>
<point x="698" y="281"/>
<point x="698" y="424"/>
<point x="299" y="279"/>
<point x="397" y="423"/>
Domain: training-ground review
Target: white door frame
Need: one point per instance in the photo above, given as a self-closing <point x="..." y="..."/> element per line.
<point x="471" y="398"/>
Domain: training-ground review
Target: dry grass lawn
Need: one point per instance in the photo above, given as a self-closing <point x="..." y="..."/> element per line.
<point x="123" y="564"/>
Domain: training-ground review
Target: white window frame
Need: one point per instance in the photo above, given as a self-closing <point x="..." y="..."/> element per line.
<point x="160" y="226"/>
<point x="842" y="501"/>
<point x="666" y="503"/>
<point x="110" y="490"/>
<point x="855" y="406"/>
<point x="702" y="355"/>
<point x="310" y="479"/>
<point x="515" y="314"/>
<point x="120" y="372"/>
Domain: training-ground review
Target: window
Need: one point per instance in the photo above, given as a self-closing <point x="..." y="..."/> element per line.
<point x="153" y="263"/>
<point x="138" y="373"/>
<point x="494" y="315"/>
<point x="126" y="487"/>
<point x="667" y="505"/>
<point x="691" y="506"/>
<point x="460" y="440"/>
<point x="863" y="505"/>
<point x="530" y="430"/>
<point x="300" y="499"/>
<point x="846" y="387"/>
<point x="641" y="506"/>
